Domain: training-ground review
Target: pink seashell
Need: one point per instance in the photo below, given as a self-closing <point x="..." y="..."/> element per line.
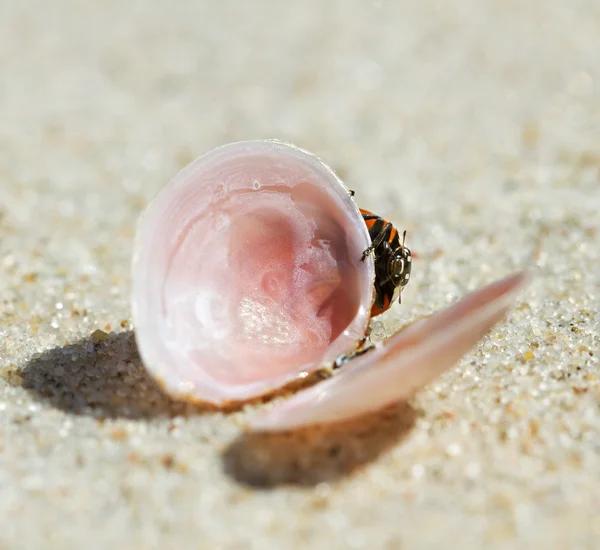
<point x="247" y="277"/>
<point x="246" y="273"/>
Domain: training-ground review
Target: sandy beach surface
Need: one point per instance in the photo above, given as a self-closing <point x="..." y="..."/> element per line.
<point x="473" y="124"/>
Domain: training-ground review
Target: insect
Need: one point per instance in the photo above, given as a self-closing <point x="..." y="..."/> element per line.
<point x="393" y="260"/>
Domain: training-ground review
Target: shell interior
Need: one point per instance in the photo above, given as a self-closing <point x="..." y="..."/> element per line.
<point x="247" y="273"/>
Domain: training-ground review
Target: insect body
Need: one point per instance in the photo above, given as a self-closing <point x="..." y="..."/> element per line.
<point x="393" y="261"/>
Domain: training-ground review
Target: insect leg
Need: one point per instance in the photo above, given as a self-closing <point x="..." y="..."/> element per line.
<point x="343" y="359"/>
<point x="381" y="237"/>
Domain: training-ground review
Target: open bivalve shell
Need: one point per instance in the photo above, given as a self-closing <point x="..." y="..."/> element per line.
<point x="247" y="276"/>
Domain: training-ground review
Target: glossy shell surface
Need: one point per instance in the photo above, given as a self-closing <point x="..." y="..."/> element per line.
<point x="246" y="273"/>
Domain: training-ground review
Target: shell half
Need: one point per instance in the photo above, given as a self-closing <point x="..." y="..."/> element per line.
<point x="246" y="273"/>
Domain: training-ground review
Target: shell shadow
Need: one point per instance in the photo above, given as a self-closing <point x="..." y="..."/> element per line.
<point x="100" y="376"/>
<point x="308" y="456"/>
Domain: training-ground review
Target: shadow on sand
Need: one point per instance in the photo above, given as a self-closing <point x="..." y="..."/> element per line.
<point x="101" y="377"/>
<point x="314" y="455"/>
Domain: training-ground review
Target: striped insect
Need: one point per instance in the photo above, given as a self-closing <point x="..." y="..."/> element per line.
<point x="393" y="261"/>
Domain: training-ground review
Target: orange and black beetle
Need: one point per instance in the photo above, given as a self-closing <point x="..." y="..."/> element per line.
<point x="393" y="261"/>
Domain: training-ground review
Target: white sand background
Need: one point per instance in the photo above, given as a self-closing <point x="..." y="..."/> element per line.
<point x="473" y="124"/>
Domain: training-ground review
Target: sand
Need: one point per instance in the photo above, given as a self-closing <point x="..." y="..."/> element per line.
<point x="475" y="125"/>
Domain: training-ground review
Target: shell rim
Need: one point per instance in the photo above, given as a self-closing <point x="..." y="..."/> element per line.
<point x="245" y="394"/>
